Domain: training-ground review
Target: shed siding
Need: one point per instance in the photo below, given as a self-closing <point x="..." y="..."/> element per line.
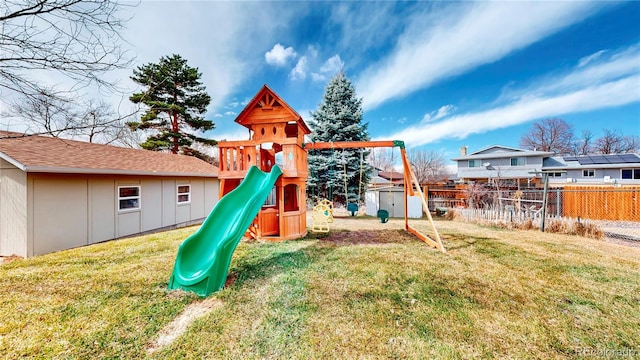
<point x="197" y="199"/>
<point x="42" y="213"/>
<point x="128" y="223"/>
<point x="151" y="204"/>
<point x="60" y="216"/>
<point x="13" y="210"/>
<point x="102" y="224"/>
<point x="211" y="193"/>
<point x="168" y="202"/>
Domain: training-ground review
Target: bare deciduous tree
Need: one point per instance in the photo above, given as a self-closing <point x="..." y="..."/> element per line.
<point x="613" y="142"/>
<point x="98" y="123"/>
<point x="46" y="114"/>
<point x="583" y="145"/>
<point x="428" y="166"/>
<point x="380" y="158"/>
<point x="77" y="38"/>
<point x="553" y="134"/>
<point x="63" y="117"/>
<point x="477" y="195"/>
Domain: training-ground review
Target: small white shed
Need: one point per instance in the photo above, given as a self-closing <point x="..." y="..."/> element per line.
<point x="57" y="194"/>
<point x="392" y="200"/>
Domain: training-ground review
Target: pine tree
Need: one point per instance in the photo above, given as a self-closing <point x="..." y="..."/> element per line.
<point x="175" y="100"/>
<point x="338" y="118"/>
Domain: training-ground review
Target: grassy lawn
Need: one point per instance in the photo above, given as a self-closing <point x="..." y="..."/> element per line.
<point x="376" y="293"/>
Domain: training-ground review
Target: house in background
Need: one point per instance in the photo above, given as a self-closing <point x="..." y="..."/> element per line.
<point x="58" y="194"/>
<point x="511" y="166"/>
<point x="612" y="169"/>
<point x="522" y="168"/>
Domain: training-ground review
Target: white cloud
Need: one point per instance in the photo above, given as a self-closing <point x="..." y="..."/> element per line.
<point x="612" y="66"/>
<point x="596" y="86"/>
<point x="239" y="133"/>
<point x="363" y="27"/>
<point x="332" y="65"/>
<point x="279" y="55"/>
<point x="299" y="72"/>
<point x="234" y="103"/>
<point x="229" y="53"/>
<point x="612" y="94"/>
<point x="312" y="51"/>
<point x="440" y="113"/>
<point x="442" y="43"/>
<point x="329" y="68"/>
<point x="230" y="113"/>
<point x="587" y="59"/>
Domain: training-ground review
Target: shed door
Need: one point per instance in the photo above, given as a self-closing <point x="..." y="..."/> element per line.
<point x="387" y="202"/>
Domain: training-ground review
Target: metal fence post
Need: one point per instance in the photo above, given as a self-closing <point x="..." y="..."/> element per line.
<point x="557" y="202"/>
<point x="544" y="200"/>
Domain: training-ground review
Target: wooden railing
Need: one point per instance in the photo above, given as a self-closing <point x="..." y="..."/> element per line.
<point x="236" y="157"/>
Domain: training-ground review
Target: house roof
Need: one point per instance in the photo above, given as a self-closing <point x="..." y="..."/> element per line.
<point x="32" y="153"/>
<point x="499" y="151"/>
<point x="611" y="161"/>
<point x="391" y="175"/>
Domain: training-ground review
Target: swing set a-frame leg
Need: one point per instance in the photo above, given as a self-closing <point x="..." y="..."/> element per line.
<point x="410" y="180"/>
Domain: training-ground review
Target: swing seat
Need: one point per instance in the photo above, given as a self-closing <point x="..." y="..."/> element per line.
<point x="383" y="215"/>
<point x="352" y="208"/>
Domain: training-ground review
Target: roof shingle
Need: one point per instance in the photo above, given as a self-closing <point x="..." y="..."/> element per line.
<point x="33" y="153"/>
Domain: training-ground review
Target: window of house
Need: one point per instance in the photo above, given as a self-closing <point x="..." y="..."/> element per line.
<point x="588" y="173"/>
<point x="474" y="163"/>
<point x="184" y="194"/>
<point x="631" y="174"/>
<point x="128" y="197"/>
<point x="518" y="161"/>
<point x="555" y="174"/>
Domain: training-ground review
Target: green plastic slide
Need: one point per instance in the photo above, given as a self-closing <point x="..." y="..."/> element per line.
<point x="203" y="259"/>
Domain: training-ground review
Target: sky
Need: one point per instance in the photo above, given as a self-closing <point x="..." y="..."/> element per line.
<point x="438" y="75"/>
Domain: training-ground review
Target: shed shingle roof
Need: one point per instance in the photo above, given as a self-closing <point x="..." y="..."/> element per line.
<point x="47" y="154"/>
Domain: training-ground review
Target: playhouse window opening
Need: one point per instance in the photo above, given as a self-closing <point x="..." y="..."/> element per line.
<point x="271" y="199"/>
<point x="291" y="197"/>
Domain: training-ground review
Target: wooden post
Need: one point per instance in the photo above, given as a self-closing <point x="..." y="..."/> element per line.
<point x="407" y="168"/>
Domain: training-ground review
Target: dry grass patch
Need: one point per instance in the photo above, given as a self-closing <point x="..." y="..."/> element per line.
<point x="367" y="290"/>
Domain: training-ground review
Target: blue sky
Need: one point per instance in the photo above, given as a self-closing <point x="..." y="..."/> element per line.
<point x="439" y="75"/>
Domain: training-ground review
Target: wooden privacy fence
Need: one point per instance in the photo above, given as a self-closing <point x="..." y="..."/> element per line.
<point x="592" y="202"/>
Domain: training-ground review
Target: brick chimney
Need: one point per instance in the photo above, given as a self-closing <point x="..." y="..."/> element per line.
<point x="463" y="151"/>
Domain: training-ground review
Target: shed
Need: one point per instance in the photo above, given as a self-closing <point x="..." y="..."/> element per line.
<point x="57" y="194"/>
<point x="392" y="200"/>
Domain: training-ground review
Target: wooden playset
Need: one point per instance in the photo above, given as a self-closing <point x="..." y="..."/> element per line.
<point x="276" y="133"/>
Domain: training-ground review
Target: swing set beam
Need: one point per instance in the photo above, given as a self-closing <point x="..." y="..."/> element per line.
<point x="410" y="180"/>
<point x="352" y="144"/>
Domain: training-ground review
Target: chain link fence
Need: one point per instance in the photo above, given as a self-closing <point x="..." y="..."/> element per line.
<point x="612" y="213"/>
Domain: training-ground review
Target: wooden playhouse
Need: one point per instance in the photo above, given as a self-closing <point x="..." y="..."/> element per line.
<point x="276" y="134"/>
